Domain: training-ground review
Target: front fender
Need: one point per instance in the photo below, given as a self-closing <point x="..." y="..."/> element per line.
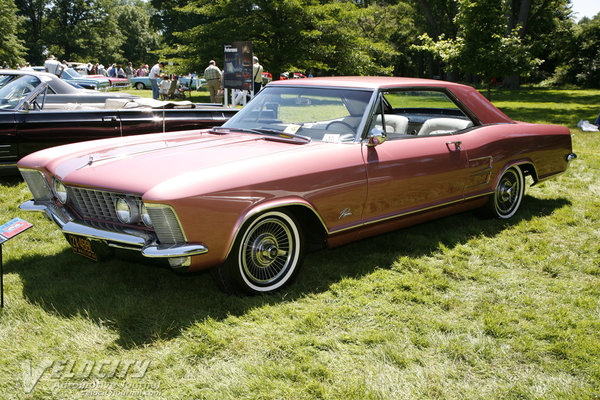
<point x="257" y="209"/>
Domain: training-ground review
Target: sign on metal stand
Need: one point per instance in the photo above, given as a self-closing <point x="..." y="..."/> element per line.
<point x="237" y="72"/>
<point x="8" y="231"/>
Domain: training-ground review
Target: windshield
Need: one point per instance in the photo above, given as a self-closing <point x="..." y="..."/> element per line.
<point x="13" y="92"/>
<point x="4" y="79"/>
<point x="71" y="73"/>
<point x="327" y="115"/>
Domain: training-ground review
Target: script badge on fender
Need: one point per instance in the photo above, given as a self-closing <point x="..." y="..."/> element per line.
<point x="82" y="246"/>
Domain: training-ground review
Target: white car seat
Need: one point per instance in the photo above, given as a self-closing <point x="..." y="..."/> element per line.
<point x="443" y="126"/>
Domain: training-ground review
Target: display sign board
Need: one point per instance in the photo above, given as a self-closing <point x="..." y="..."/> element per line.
<point x="238" y="66"/>
<point x="12" y="228"/>
<point x="8" y="231"/>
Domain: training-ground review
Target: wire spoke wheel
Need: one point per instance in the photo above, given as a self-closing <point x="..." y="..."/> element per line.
<point x="267" y="251"/>
<point x="509" y="193"/>
<point x="266" y="255"/>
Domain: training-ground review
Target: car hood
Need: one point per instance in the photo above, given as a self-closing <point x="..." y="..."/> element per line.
<point x="139" y="164"/>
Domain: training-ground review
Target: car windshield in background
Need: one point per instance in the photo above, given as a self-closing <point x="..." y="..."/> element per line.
<point x="12" y="93"/>
<point x="4" y="79"/>
<point x="71" y="73"/>
<point x="328" y="115"/>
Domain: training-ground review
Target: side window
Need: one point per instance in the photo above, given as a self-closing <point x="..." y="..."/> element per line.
<point x="422" y="112"/>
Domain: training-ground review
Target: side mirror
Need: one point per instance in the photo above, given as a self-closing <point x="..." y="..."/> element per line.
<point x="376" y="137"/>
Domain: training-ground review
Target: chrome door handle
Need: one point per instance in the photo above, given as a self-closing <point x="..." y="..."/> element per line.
<point x="456" y="145"/>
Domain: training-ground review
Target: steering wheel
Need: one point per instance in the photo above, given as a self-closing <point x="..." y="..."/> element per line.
<point x="351" y="129"/>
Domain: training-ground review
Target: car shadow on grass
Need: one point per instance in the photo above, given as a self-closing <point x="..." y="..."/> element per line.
<point x="144" y="302"/>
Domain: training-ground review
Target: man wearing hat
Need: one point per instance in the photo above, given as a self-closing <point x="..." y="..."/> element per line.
<point x="257" y="70"/>
<point x="53" y="66"/>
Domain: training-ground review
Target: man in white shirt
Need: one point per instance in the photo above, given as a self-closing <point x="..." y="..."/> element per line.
<point x="53" y="66"/>
<point x="257" y="71"/>
<point x="154" y="75"/>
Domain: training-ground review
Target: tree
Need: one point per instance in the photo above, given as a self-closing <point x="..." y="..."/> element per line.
<point x="331" y="37"/>
<point x="482" y="45"/>
<point x="33" y="12"/>
<point x="139" y="41"/>
<point x="12" y="48"/>
<point x="582" y="64"/>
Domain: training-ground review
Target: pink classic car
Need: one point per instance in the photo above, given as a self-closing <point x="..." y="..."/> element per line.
<point x="310" y="161"/>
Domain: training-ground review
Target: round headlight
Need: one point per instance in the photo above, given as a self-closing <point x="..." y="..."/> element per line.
<point x="60" y="190"/>
<point x="145" y="216"/>
<point x="127" y="211"/>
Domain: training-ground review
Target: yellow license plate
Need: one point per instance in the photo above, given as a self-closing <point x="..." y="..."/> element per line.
<point x="82" y="246"/>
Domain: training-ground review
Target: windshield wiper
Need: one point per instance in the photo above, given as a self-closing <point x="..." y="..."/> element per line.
<point x="263" y="131"/>
<point x="224" y="128"/>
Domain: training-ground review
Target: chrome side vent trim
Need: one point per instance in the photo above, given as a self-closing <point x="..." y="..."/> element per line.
<point x="37" y="184"/>
<point x="166" y="224"/>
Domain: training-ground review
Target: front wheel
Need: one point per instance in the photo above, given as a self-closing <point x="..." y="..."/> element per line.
<point x="508" y="194"/>
<point x="266" y="256"/>
<point x="140" y="86"/>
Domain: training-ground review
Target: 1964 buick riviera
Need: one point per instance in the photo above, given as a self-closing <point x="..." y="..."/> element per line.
<point x="313" y="161"/>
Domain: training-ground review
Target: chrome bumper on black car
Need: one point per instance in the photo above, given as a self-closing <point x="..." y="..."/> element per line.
<point x="132" y="239"/>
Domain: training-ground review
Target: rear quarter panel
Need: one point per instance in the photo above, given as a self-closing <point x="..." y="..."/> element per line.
<point x="493" y="148"/>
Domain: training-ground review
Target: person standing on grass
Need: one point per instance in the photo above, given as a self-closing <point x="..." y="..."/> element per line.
<point x="257" y="72"/>
<point x="154" y="75"/>
<point x="53" y="66"/>
<point x="213" y="75"/>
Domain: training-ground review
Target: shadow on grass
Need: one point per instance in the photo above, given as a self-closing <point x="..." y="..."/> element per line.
<point x="552" y="116"/>
<point x="11" y="180"/>
<point x="542" y="95"/>
<point x="143" y="302"/>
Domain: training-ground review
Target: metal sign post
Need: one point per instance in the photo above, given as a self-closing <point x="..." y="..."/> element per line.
<point x="1" y="279"/>
<point x="8" y="231"/>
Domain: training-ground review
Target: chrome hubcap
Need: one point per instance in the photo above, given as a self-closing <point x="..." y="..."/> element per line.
<point x="267" y="251"/>
<point x="507" y="193"/>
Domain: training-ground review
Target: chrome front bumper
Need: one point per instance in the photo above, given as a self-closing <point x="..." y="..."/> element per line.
<point x="131" y="239"/>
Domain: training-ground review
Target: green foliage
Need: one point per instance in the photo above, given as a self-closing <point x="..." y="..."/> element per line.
<point x="582" y="58"/>
<point x="12" y="48"/>
<point x="34" y="13"/>
<point x="133" y="22"/>
<point x="333" y="38"/>
<point x="482" y="45"/>
<point x="98" y="30"/>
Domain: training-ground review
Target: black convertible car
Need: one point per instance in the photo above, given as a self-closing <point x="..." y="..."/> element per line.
<point x="38" y="110"/>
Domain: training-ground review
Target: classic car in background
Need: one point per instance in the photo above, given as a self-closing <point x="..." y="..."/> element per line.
<point x="32" y="118"/>
<point x="115" y="83"/>
<point x="88" y="82"/>
<point x="143" y="82"/>
<point x="61" y="91"/>
<point x="307" y="163"/>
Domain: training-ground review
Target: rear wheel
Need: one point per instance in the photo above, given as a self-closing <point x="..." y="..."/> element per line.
<point x="508" y="194"/>
<point x="266" y="255"/>
<point x="140" y="86"/>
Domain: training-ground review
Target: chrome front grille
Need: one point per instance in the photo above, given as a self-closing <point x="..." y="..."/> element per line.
<point x="96" y="204"/>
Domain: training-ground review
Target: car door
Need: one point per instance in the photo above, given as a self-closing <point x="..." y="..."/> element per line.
<point x="406" y="176"/>
<point x="8" y="143"/>
<point x="39" y="129"/>
<point x="409" y="172"/>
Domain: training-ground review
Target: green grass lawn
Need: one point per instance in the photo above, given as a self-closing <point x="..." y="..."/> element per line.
<point x="458" y="308"/>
